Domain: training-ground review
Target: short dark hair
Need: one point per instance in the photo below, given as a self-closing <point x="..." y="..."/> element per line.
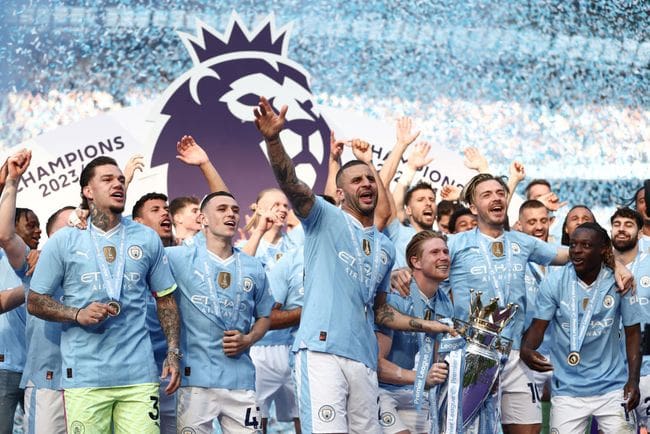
<point x="455" y="216"/>
<point x="137" y="208"/>
<point x="608" y="258"/>
<point x="212" y="195"/>
<point x="531" y="204"/>
<point x="421" y="185"/>
<point x="53" y="217"/>
<point x="414" y="247"/>
<point x="446" y="207"/>
<point x="180" y="203"/>
<point x="343" y="168"/>
<point x="565" y="236"/>
<point x="89" y="171"/>
<point x="469" y="190"/>
<point x="20" y="213"/>
<point x="629" y="213"/>
<point x="535" y="182"/>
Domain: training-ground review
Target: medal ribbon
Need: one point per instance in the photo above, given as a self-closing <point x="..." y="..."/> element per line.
<point x="370" y="288"/>
<point x="577" y="336"/>
<point x="422" y="310"/>
<point x="113" y="284"/>
<point x="482" y="242"/>
<point x="456" y="348"/>
<point x="228" y="325"/>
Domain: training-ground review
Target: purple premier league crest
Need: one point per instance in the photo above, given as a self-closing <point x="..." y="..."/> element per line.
<point x="214" y="102"/>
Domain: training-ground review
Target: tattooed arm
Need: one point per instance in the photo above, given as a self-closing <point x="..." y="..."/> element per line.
<point x="45" y="307"/>
<point x="390" y="317"/>
<point x="170" y="324"/>
<point x="270" y="124"/>
<point x="282" y="319"/>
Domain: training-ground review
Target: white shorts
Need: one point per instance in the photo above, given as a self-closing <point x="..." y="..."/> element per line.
<point x="235" y="410"/>
<point x="44" y="411"/>
<point x="274" y="382"/>
<point x="571" y="414"/>
<point x="643" y="410"/>
<point x="521" y="390"/>
<point x="336" y="394"/>
<point x="397" y="412"/>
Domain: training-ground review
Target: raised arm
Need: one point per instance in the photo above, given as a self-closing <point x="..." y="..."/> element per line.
<point x="333" y="165"/>
<point x="475" y="160"/>
<point x="405" y="136"/>
<point x="135" y="163"/>
<point x="270" y="124"/>
<point x="517" y="174"/>
<point x="189" y="152"/>
<point x="418" y="158"/>
<point x="12" y="244"/>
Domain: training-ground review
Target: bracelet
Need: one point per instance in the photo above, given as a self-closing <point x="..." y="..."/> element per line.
<point x="77" y="314"/>
<point x="175" y="352"/>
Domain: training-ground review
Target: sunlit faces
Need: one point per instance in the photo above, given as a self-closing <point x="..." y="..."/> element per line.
<point x="28" y="228"/>
<point x="586" y="250"/>
<point x="535" y="222"/>
<point x="433" y="261"/>
<point x="625" y="234"/>
<point x="489" y="205"/>
<point x="576" y="217"/>
<point x="358" y="190"/>
<point x="155" y="214"/>
<point x="275" y="201"/>
<point x="464" y="223"/>
<point x="106" y="189"/>
<point x="188" y="217"/>
<point x="221" y="216"/>
<point x="421" y="208"/>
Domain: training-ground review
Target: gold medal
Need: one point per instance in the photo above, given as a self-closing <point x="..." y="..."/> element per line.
<point x="497" y="248"/>
<point x="223" y="279"/>
<point x="110" y="253"/>
<point x="366" y="247"/>
<point x="573" y="359"/>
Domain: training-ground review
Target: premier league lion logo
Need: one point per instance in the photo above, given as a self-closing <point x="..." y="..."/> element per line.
<point x="214" y="102"/>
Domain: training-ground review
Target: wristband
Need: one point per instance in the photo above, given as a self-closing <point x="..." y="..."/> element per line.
<point x="77" y="314"/>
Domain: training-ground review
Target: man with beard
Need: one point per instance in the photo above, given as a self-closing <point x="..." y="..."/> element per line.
<point x="584" y="309"/>
<point x="347" y="264"/>
<point x="493" y="260"/>
<point x="109" y="374"/>
<point x="429" y="261"/>
<point x="626" y="229"/>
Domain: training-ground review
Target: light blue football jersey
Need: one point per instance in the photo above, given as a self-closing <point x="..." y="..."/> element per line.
<point x="400" y="235"/>
<point x="406" y="345"/>
<point x="602" y="367"/>
<point x="345" y="266"/>
<point x="237" y="292"/>
<point x="644" y="244"/>
<point x="270" y="254"/>
<point x="286" y="283"/>
<point x="641" y="270"/>
<point x="117" y="351"/>
<point x="12" y="324"/>
<point x="475" y="265"/>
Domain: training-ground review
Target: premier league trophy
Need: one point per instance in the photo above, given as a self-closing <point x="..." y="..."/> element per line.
<point x="475" y="360"/>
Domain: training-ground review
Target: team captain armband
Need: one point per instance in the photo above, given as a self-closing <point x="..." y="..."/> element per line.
<point x="164" y="292"/>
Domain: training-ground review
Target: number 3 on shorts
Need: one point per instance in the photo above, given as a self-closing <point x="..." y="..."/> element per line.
<point x="155" y="414"/>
